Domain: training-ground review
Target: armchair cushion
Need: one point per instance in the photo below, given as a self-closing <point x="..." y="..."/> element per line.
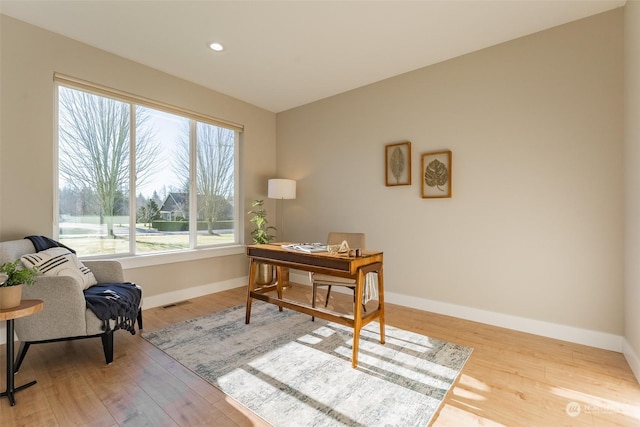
<point x="106" y="271"/>
<point x="60" y="262"/>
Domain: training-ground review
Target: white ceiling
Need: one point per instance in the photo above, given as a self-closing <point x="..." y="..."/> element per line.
<point x="282" y="54"/>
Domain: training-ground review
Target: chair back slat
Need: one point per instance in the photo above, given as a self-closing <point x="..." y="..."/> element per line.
<point x="355" y="240"/>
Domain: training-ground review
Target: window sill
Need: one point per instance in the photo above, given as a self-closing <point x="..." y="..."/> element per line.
<point x="179" y="256"/>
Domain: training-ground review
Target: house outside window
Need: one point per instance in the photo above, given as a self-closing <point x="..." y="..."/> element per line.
<point x="134" y="178"/>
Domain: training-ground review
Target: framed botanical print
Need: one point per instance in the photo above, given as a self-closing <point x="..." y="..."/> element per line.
<point x="435" y="175"/>
<point x="397" y="160"/>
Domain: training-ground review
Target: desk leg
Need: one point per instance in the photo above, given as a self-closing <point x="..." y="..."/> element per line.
<point x="282" y="279"/>
<point x="250" y="288"/>
<point x="11" y="390"/>
<point x="381" y="320"/>
<point x="357" y="317"/>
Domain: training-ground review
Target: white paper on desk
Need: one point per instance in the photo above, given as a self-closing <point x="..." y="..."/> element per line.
<point x="307" y="248"/>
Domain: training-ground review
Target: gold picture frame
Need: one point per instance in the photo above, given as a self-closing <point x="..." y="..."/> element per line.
<point x="435" y="174"/>
<point x="397" y="161"/>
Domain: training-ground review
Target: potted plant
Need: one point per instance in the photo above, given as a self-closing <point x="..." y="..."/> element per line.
<point x="261" y="235"/>
<point x="12" y="276"/>
<point x="261" y="232"/>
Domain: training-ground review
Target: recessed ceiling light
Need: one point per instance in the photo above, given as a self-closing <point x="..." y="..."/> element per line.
<point x="216" y="46"/>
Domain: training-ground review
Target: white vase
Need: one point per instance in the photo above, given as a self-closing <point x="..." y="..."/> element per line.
<point x="10" y="296"/>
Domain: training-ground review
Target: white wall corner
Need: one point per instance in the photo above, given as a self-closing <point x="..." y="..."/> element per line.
<point x="632" y="358"/>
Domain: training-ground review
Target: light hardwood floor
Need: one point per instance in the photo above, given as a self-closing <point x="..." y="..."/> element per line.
<point x="511" y="379"/>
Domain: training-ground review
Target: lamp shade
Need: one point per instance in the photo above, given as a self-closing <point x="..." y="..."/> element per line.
<point x="282" y="189"/>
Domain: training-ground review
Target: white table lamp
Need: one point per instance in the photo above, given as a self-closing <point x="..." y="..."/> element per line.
<point x="282" y="189"/>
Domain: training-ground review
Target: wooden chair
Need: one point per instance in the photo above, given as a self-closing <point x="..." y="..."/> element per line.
<point x="355" y="240"/>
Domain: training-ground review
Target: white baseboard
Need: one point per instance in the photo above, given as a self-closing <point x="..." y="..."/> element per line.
<point x="632" y="358"/>
<point x="547" y="329"/>
<point x="198" y="291"/>
<point x="551" y="330"/>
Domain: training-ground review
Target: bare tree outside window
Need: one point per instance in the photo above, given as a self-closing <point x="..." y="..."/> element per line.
<point x="214" y="172"/>
<point x="94" y="150"/>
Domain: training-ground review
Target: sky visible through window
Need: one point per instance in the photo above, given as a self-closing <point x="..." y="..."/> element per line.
<point x="169" y="131"/>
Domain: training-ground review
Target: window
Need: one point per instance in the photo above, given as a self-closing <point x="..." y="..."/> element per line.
<point x="139" y="178"/>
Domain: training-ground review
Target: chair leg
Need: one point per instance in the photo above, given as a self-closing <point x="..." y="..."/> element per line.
<point x="326" y="301"/>
<point x="139" y="318"/>
<point x="24" y="346"/>
<point x="314" y="292"/>
<point x="107" y="346"/>
<point x="354" y="301"/>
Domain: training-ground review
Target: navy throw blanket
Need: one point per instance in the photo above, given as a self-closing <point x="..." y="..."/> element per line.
<point x="115" y="301"/>
<point x="42" y="243"/>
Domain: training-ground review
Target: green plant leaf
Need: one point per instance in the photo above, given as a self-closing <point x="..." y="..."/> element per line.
<point x="18" y="274"/>
<point x="261" y="233"/>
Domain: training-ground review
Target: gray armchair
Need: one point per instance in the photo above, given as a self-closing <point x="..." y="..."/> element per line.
<point x="65" y="315"/>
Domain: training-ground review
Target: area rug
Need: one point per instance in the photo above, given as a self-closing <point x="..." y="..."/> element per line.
<point x="291" y="371"/>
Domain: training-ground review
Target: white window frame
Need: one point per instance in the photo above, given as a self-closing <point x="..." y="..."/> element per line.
<point x="131" y="259"/>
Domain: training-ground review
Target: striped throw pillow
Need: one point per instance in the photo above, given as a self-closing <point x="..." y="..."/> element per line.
<point x="60" y="262"/>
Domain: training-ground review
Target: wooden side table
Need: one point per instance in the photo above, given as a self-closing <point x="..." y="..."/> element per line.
<point x="27" y="307"/>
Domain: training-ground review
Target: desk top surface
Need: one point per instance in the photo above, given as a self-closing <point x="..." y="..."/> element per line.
<point x="275" y="253"/>
<point x="278" y="247"/>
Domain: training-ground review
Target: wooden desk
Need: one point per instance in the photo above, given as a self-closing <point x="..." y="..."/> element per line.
<point x="336" y="265"/>
<point x="27" y="307"/>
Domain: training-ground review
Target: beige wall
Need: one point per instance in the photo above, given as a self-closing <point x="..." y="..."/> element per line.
<point x="632" y="182"/>
<point x="534" y="228"/>
<point x="29" y="58"/>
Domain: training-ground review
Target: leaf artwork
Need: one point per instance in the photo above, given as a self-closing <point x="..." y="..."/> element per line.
<point x="436" y="174"/>
<point x="397" y="163"/>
